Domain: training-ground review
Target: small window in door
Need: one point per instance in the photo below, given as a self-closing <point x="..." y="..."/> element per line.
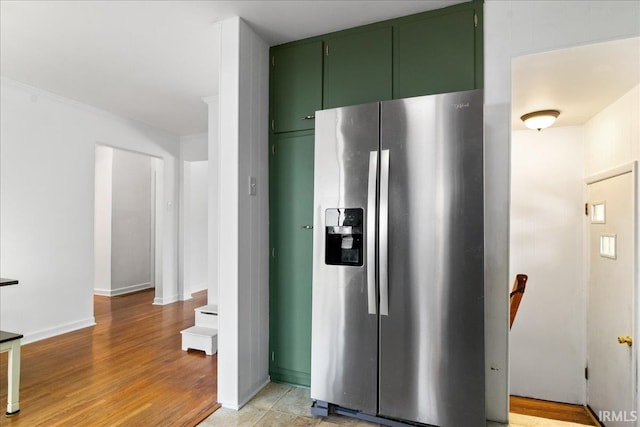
<point x="598" y="213"/>
<point x="608" y="246"/>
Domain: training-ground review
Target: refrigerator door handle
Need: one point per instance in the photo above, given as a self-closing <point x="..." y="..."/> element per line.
<point x="384" y="233"/>
<point x="371" y="232"/>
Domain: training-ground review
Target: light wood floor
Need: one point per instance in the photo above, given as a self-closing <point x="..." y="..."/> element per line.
<point x="553" y="410"/>
<point x="127" y="370"/>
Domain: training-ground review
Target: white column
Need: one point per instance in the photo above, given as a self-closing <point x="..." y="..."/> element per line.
<point x="242" y="220"/>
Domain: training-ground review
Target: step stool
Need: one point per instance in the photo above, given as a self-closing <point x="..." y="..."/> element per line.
<point x="207" y="316"/>
<point x="204" y="335"/>
<point x="199" y="338"/>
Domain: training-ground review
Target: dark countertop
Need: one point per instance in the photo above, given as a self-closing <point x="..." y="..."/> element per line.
<point x="9" y="336"/>
<point x="4" y="335"/>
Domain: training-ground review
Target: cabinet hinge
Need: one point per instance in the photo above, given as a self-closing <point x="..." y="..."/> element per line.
<point x="273" y="148"/>
<point x="586" y="372"/>
<point x="273" y="356"/>
<point x="586" y="209"/>
<point x="475" y="20"/>
<point x="273" y="61"/>
<point x="273" y="252"/>
<point x="326" y="50"/>
<point x="273" y="124"/>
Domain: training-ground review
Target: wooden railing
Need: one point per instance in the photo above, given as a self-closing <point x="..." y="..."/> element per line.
<point x="516" y="294"/>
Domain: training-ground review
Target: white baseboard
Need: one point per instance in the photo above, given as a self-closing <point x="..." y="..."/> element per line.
<point x="58" y="330"/>
<point x="165" y="301"/>
<point x="198" y="288"/>
<point x="187" y="295"/>
<point x="122" y="291"/>
<point x="246" y="400"/>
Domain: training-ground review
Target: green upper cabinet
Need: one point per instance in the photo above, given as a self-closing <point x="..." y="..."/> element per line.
<point x="296" y="86"/>
<point x="435" y="54"/>
<point x="357" y="68"/>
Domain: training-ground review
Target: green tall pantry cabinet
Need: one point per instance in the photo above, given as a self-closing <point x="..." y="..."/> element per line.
<point x="431" y="52"/>
<point x="290" y="201"/>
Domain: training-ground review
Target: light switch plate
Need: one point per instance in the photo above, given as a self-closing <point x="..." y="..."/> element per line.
<point x="252" y="186"/>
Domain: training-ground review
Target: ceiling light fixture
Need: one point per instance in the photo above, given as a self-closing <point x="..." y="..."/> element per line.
<point x="540" y="119"/>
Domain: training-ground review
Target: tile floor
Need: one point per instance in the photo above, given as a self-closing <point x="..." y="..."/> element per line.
<point x="278" y="405"/>
<point x="283" y="405"/>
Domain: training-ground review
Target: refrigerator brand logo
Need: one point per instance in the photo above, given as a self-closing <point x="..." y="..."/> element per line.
<point x="461" y="105"/>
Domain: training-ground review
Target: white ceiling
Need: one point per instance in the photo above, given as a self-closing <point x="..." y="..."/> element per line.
<point x="153" y="61"/>
<point x="579" y="82"/>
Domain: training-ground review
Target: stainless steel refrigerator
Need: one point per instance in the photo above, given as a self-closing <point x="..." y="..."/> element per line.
<point x="398" y="290"/>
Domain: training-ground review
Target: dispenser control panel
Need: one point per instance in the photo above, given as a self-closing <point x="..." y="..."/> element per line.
<point x="344" y="236"/>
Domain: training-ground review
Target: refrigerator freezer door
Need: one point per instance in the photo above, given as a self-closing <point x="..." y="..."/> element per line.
<point x="344" y="349"/>
<point x="432" y="341"/>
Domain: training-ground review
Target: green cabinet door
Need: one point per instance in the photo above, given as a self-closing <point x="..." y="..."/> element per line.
<point x="358" y="68"/>
<point x="291" y="239"/>
<point x="435" y="54"/>
<point x="296" y="86"/>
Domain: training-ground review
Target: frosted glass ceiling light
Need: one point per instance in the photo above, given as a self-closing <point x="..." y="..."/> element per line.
<point x="540" y="119"/>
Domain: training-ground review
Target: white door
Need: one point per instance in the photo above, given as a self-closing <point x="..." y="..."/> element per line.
<point x="610" y="385"/>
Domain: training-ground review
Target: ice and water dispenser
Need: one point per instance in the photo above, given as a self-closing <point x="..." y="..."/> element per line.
<point x="343" y="236"/>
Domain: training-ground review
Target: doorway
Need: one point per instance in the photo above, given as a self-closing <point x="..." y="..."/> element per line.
<point x="598" y="103"/>
<point x="125" y="232"/>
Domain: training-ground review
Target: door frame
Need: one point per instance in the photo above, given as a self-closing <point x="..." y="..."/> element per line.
<point x="630" y="167"/>
<point x="157" y="225"/>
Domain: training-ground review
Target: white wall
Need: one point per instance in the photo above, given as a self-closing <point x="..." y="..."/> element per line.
<point x="613" y="135"/>
<point x="548" y="339"/>
<point x="130" y="222"/>
<point x="194" y="148"/>
<point x="243" y="277"/>
<point x="47" y="146"/>
<point x="511" y="29"/>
